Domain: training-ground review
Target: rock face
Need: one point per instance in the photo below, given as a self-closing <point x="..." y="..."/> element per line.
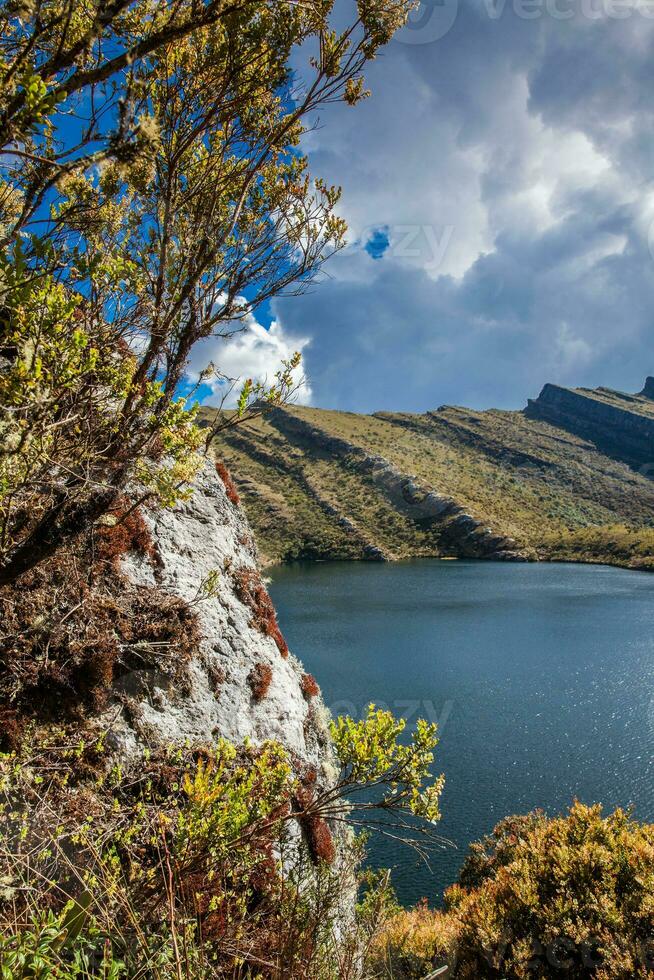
<point x="209" y="534"/>
<point x="648" y="390"/>
<point x="619" y="424"/>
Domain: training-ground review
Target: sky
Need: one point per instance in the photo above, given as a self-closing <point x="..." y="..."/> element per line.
<point x="499" y="190"/>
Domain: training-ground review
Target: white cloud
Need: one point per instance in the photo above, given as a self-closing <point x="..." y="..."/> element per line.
<point x="255" y="352"/>
<point x="531" y="141"/>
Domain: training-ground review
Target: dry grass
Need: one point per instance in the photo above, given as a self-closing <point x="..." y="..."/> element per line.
<point x="74" y="626"/>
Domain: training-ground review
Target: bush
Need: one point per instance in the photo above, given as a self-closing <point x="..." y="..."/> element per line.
<point x="571" y="897"/>
<point x="185" y="865"/>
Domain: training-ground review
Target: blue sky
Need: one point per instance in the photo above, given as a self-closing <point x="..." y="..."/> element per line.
<point x="499" y="188"/>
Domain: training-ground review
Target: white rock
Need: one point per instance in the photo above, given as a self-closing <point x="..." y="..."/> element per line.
<point x="198" y="536"/>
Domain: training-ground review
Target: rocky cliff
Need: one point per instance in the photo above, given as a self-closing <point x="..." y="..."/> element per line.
<point x="241" y="683"/>
<point x="648" y="390"/>
<point x="617" y="423"/>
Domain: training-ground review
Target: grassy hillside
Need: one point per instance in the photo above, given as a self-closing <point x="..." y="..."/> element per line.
<point x="308" y="481"/>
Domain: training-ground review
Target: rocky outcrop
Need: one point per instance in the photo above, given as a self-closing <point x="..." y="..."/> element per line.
<point x="614" y="422"/>
<point x="461" y="534"/>
<point x="206" y="539"/>
<point x="648" y="390"/>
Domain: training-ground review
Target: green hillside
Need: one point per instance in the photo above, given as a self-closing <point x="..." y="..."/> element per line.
<point x="453" y="482"/>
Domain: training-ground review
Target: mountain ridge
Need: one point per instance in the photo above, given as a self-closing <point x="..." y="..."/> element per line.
<point x="569" y="477"/>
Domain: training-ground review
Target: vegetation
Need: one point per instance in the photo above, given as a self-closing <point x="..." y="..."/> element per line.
<point x="173" y="868"/>
<point x="549" y="490"/>
<point x="571" y="896"/>
<point x="260" y="679"/>
<point x="252" y="592"/>
<point x="152" y="194"/>
<point x="77" y="626"/>
<point x="616" y="544"/>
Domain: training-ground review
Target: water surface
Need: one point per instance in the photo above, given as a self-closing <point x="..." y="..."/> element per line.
<point x="541" y="676"/>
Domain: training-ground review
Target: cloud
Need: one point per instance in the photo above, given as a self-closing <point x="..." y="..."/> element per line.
<point x="504" y="175"/>
<point x="255" y="352"/>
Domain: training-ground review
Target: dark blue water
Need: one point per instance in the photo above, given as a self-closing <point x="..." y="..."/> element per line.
<point x="541" y="676"/>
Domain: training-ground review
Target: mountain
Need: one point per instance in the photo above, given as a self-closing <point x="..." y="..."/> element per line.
<point x="568" y="478"/>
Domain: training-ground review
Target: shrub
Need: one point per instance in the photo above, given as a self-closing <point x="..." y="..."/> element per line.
<point x="571" y="896"/>
<point x="171" y="868"/>
<point x="259" y="679"/>
<point x="179" y="853"/>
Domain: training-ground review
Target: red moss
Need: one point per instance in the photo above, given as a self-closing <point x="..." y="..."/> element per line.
<point x="75" y="627"/>
<point x="216" y="677"/>
<point x="317" y="834"/>
<point x="259" y="679"/>
<point x="130" y="533"/>
<point x="252" y="593"/>
<point x="309" y="686"/>
<point x="230" y="487"/>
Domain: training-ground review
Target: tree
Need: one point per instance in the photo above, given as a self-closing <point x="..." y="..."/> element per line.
<point x="153" y="195"/>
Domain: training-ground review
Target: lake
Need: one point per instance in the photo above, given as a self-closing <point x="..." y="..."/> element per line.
<point x="541" y="677"/>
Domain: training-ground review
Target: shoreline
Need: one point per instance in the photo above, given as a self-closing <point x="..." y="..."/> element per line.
<point x="267" y="563"/>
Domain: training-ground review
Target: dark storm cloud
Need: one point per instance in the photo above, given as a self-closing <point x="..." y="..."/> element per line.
<point x="511" y="166"/>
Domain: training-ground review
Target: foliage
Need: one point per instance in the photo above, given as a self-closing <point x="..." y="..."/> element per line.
<point x="152" y="195"/>
<point x="571" y="896"/>
<point x="48" y="950"/>
<point x="172" y="867"/>
<point x="371" y="754"/>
